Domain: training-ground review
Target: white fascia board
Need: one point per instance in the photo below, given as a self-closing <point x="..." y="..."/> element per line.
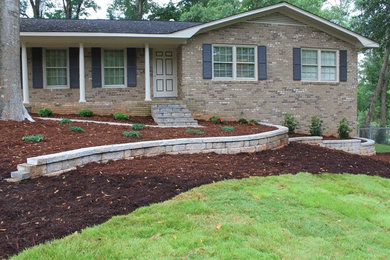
<point x="114" y="35"/>
<point x="367" y="43"/>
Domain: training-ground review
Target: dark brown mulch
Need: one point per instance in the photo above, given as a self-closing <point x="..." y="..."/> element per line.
<point x="382" y="157"/>
<point x="147" y="120"/>
<point x="42" y="209"/>
<point x="59" y="138"/>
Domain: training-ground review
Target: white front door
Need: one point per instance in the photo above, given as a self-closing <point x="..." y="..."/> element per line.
<point x="164" y="73"/>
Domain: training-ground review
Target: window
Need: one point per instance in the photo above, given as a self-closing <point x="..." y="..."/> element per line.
<point x="319" y="65"/>
<point x="234" y="62"/>
<point x="114" y="68"/>
<point x="56" y="68"/>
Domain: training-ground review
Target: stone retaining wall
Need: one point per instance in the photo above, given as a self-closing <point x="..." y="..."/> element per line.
<point x="355" y="146"/>
<point x="58" y="163"/>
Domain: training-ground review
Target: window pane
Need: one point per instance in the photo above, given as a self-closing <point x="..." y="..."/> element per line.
<point x="56" y="58"/>
<point x="328" y="58"/>
<point x="223" y="70"/>
<point x="223" y="54"/>
<point x="113" y="58"/>
<point x="114" y="76"/>
<point x="245" y="54"/>
<point x="56" y="77"/>
<point x="245" y="71"/>
<point x="309" y="57"/>
<point x="328" y="73"/>
<point x="309" y="72"/>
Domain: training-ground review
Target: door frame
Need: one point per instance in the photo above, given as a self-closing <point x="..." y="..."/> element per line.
<point x="165" y="94"/>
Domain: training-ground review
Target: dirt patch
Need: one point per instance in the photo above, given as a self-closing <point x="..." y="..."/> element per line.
<point x="42" y="209"/>
<point x="382" y="157"/>
<point x="59" y="138"/>
<point x="147" y="120"/>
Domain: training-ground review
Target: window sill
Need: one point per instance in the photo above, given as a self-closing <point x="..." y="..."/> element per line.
<point x="56" y="87"/>
<point x="333" y="83"/>
<point x="234" y="80"/>
<point x="114" y="86"/>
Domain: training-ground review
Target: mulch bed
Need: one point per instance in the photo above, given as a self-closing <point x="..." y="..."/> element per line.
<point x="382" y="157"/>
<point x="59" y="138"/>
<point x="147" y="120"/>
<point x="35" y="211"/>
<point x="326" y="137"/>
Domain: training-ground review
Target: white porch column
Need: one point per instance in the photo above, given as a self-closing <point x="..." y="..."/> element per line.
<point x="26" y="98"/>
<point x="82" y="74"/>
<point x="147" y="73"/>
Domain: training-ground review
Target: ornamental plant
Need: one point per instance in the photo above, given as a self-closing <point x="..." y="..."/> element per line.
<point x="242" y="121"/>
<point x="217" y="120"/>
<point x="34" y="138"/>
<point x="131" y="134"/>
<point x="227" y="128"/>
<point x="66" y="121"/>
<point x="290" y="122"/>
<point x="253" y="122"/>
<point x="138" y="126"/>
<point x="45" y="112"/>
<point x="77" y="129"/>
<point x="194" y="131"/>
<point x="344" y="128"/>
<point x="316" y="127"/>
<point x="121" y="116"/>
<point x="86" y="113"/>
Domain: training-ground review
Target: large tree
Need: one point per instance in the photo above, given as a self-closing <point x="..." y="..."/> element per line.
<point x="129" y="9"/>
<point x="72" y="9"/>
<point x="11" y="105"/>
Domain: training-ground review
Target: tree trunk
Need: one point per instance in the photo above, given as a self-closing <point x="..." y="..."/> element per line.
<point x="68" y="6"/>
<point x="36" y="6"/>
<point x="11" y="105"/>
<point x="140" y="9"/>
<point x="384" y="99"/>
<point x="378" y="87"/>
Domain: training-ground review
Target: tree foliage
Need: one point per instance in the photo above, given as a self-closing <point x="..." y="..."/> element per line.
<point x="129" y="9"/>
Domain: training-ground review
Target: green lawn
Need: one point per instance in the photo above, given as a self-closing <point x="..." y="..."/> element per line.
<point x="382" y="148"/>
<point x="294" y="217"/>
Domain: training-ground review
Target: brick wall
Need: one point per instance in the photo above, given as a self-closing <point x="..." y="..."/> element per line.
<point x="268" y="100"/>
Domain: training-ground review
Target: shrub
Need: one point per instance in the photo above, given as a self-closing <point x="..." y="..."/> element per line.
<point x="34" y="138"/>
<point x="194" y="131"/>
<point x="290" y="122"/>
<point x="77" y="129"/>
<point x="253" y="122"/>
<point x="45" y="112"/>
<point x="242" y="121"/>
<point x="316" y="127"/>
<point x="138" y="126"/>
<point x="227" y="128"/>
<point x="121" y="116"/>
<point x="344" y="128"/>
<point x="217" y="120"/>
<point x="132" y="134"/>
<point x="86" y="113"/>
<point x="65" y="121"/>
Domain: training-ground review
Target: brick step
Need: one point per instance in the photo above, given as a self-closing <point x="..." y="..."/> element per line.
<point x="177" y="119"/>
<point x="172" y="114"/>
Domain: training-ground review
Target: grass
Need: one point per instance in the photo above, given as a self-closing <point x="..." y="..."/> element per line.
<point x="295" y="217"/>
<point x="382" y="148"/>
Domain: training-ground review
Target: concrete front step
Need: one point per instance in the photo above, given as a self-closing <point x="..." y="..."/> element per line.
<point x="172" y="114"/>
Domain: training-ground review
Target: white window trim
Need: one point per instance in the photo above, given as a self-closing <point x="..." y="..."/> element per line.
<point x="234" y="78"/>
<point x="124" y="65"/>
<point x="319" y="65"/>
<point x="45" y="86"/>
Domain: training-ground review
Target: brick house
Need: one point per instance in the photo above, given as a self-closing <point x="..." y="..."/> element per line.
<point x="258" y="64"/>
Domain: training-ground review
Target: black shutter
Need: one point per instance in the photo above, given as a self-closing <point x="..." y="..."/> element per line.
<point x="21" y="75"/>
<point x="37" y="69"/>
<point x="131" y="67"/>
<point x="343" y="65"/>
<point x="96" y="68"/>
<point x="207" y="61"/>
<point x="262" y="62"/>
<point x="297" y="63"/>
<point x="74" y="70"/>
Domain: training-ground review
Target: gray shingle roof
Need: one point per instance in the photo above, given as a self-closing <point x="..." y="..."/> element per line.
<point x="103" y="26"/>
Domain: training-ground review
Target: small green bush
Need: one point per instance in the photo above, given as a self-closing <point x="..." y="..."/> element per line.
<point x="34" y="138"/>
<point x="121" y="116"/>
<point x="242" y="121"/>
<point x="132" y="134"/>
<point x="194" y="131"/>
<point x="77" y="129"/>
<point x="45" y="112"/>
<point x="65" y="121"/>
<point x="227" y="128"/>
<point x="316" y="128"/>
<point x="344" y="128"/>
<point x="290" y="122"/>
<point x="253" y="122"/>
<point x="138" y="126"/>
<point x="217" y="120"/>
<point x="86" y="113"/>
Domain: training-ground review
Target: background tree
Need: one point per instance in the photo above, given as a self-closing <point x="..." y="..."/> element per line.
<point x="11" y="105"/>
<point x="71" y="9"/>
<point x="129" y="9"/>
<point x="39" y="7"/>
